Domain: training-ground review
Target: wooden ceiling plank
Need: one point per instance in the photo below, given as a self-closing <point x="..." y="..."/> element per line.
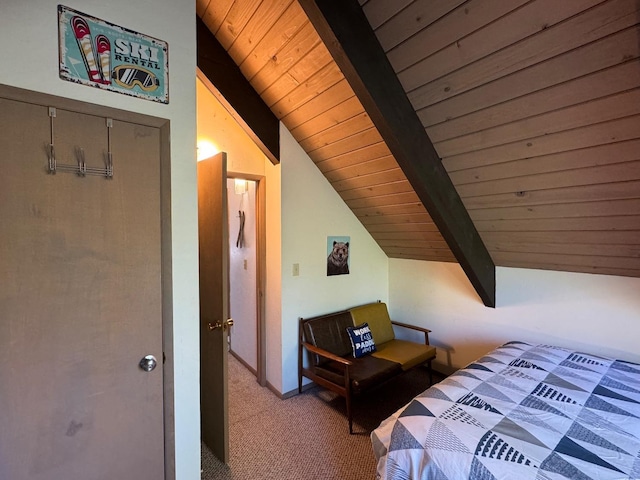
<point x="347" y="33"/>
<point x="315" y="64"/>
<point x="589" y="136"/>
<point x="262" y="21"/>
<point x="385" y="200"/>
<point x="598" y="155"/>
<point x="595" y="238"/>
<point x="364" y="167"/>
<point x="377" y="177"/>
<point x="418" y="15"/>
<point x="234" y="22"/>
<point x="600" y="110"/>
<point x="397" y="219"/>
<point x="609" y="51"/>
<point x="593" y="261"/>
<point x="201" y="7"/>
<point x="325" y="78"/>
<point x="426" y="257"/>
<point x="415" y="207"/>
<point x="215" y="13"/>
<point x="378" y="152"/>
<point x="598" y="22"/>
<point x="427" y="236"/>
<point x="603" y="83"/>
<point x="457" y="24"/>
<point x="566" y="249"/>
<point x="379" y="11"/>
<point x="329" y="119"/>
<point x="611" y="173"/>
<point x="620" y="272"/>
<point x="562" y="210"/>
<point x="230" y="87"/>
<point x="388" y="188"/>
<point x="263" y="74"/>
<point x="399" y="243"/>
<point x="331" y="97"/>
<point x="413" y="252"/>
<point x="353" y="142"/>
<point x="608" y="223"/>
<point x="350" y="126"/>
<point x="599" y="192"/>
<point x="401" y="228"/>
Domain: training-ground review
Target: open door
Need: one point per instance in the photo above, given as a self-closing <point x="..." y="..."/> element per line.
<point x="214" y="302"/>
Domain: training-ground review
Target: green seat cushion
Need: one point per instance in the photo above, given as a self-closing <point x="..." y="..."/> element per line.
<point x="377" y="316"/>
<point x="407" y="354"/>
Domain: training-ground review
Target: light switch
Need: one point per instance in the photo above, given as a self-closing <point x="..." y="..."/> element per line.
<point x="296" y="269"/>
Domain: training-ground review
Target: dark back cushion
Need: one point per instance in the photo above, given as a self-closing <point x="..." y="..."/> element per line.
<point x="328" y="332"/>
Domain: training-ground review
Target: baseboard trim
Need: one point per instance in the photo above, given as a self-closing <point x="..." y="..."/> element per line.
<point x="244" y="364"/>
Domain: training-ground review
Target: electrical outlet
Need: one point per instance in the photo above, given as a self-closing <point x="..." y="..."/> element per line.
<point x="296" y="269"/>
<point x="244" y="263"/>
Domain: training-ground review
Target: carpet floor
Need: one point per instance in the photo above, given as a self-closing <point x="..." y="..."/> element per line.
<point x="305" y="436"/>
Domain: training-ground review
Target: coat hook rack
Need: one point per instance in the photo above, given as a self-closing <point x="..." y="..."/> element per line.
<point x="80" y="168"/>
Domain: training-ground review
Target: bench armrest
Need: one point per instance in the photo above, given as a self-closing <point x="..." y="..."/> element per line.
<point x="414" y="327"/>
<point x="326" y="354"/>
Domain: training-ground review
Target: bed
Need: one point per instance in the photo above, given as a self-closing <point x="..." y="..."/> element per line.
<point x="520" y="412"/>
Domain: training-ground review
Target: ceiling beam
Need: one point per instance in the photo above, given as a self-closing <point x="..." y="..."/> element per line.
<point x="231" y="88"/>
<point x="347" y="34"/>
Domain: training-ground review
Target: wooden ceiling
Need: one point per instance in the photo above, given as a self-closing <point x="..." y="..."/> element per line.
<point x="532" y="105"/>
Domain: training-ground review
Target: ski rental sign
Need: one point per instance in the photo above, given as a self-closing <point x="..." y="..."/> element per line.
<point x="103" y="55"/>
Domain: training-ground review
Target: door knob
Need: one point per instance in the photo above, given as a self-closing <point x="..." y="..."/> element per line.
<point x="222" y="325"/>
<point x="148" y="363"/>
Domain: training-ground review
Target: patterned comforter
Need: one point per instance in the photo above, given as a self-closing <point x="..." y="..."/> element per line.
<point x="520" y="412"/>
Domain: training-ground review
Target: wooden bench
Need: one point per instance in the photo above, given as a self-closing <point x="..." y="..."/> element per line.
<point x="331" y="362"/>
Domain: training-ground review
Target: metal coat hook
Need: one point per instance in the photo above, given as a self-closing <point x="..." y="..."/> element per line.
<point x="80" y="168"/>
<point x="240" y="240"/>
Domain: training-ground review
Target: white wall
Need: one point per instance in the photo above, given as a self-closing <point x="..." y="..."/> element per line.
<point x="242" y="273"/>
<point x="595" y="313"/>
<point x="312" y="211"/>
<point x="29" y="59"/>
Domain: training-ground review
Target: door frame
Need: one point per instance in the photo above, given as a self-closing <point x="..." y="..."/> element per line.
<point x="261" y="272"/>
<point x="39" y="98"/>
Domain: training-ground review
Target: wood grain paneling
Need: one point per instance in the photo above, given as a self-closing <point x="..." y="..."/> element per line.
<point x="607" y="52"/>
<point x="588" y="136"/>
<point x="449" y="31"/>
<point x="603" y="83"/>
<point x="598" y="155"/>
<point x="562" y="210"/>
<point x="279" y="59"/>
<point x="593" y="24"/>
<point x="588" y="193"/>
<point x="533" y="106"/>
<point x="379" y="11"/>
<point x="621" y="105"/>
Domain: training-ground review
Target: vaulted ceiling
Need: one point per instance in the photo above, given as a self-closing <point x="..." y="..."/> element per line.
<point x="532" y="106"/>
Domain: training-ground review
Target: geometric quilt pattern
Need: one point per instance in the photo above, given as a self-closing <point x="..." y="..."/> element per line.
<point x="522" y="411"/>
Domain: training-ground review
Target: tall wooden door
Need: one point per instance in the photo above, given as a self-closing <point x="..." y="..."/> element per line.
<point x="213" y="231"/>
<point x="80" y="300"/>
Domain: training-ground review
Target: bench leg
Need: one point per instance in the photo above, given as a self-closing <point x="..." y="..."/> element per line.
<point x="430" y="374"/>
<point x="349" y="412"/>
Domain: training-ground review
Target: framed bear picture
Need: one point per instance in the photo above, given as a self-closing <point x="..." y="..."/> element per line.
<point x="338" y="255"/>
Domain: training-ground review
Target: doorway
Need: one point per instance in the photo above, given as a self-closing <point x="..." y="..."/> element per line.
<point x="245" y="269"/>
<point x="85" y="291"/>
<point x="215" y="285"/>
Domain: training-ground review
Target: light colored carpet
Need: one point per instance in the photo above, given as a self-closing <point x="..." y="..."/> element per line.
<point x="305" y="436"/>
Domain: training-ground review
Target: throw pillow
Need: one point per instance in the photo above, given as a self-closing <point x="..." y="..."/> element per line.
<point x="361" y="340"/>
